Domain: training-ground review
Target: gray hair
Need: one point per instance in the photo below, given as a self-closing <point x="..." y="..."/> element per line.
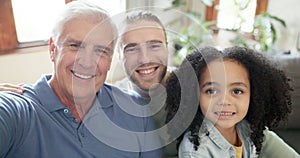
<point x="76" y="9"/>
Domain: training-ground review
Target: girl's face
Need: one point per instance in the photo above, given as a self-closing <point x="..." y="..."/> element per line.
<point x="224" y="93"/>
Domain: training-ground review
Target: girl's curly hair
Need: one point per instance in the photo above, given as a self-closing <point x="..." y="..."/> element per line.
<point x="270" y="99"/>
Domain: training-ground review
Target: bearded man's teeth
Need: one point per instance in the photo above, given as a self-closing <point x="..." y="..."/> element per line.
<point x="83" y="76"/>
<point x="147" y="71"/>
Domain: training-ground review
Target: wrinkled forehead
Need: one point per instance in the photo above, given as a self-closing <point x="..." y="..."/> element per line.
<point x="89" y="30"/>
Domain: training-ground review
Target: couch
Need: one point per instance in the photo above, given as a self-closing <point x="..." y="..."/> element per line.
<point x="290" y="133"/>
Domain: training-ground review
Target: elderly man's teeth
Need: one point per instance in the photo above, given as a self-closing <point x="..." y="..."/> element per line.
<point x="82" y="76"/>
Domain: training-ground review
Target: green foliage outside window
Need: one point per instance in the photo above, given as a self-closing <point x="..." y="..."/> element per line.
<point x="195" y="31"/>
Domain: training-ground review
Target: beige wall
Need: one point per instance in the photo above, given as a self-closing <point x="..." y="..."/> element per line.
<point x="24" y="67"/>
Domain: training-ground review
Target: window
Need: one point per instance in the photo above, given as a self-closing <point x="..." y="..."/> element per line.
<point x="230" y="14"/>
<point x="33" y="18"/>
<point x="28" y="23"/>
<point x="236" y="14"/>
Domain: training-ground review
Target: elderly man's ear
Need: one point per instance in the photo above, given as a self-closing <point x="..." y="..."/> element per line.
<point x="51" y="49"/>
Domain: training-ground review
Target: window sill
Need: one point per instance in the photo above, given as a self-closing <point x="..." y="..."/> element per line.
<point x="24" y="49"/>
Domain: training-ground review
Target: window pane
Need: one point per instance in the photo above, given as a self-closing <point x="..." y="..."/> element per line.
<point x="234" y="14"/>
<point x="34" y="18"/>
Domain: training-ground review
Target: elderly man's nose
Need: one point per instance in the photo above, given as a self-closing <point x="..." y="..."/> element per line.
<point x="87" y="58"/>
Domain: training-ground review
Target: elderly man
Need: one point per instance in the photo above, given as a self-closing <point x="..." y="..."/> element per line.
<point x="73" y="113"/>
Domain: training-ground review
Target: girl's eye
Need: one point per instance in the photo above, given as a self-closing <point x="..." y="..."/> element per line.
<point x="237" y="91"/>
<point x="211" y="91"/>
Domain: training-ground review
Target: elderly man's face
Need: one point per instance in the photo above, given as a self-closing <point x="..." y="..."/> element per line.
<point x="145" y="53"/>
<point x="82" y="58"/>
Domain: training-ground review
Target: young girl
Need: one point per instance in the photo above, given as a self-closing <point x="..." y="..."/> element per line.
<point x="240" y="94"/>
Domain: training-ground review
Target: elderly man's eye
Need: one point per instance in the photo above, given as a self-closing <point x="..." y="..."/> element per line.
<point x="103" y="52"/>
<point x="74" y="46"/>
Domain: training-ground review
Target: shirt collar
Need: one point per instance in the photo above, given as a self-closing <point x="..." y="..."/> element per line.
<point x="215" y="135"/>
<point x="105" y="96"/>
<point x="50" y="101"/>
<point x="46" y="95"/>
<point x="242" y="127"/>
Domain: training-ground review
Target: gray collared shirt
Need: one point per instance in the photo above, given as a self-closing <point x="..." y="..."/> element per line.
<point x="38" y="125"/>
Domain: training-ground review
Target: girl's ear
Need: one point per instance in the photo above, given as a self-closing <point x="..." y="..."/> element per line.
<point x="51" y="49"/>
